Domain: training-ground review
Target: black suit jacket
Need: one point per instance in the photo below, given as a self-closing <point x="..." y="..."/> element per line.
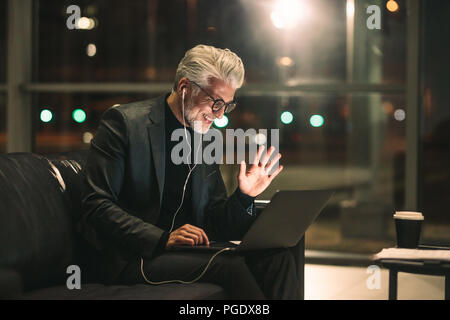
<point x="124" y="183"/>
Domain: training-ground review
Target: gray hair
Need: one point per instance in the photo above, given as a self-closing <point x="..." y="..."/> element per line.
<point x="203" y="62"/>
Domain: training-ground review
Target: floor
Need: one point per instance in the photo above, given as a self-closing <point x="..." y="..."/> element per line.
<point x="325" y="282"/>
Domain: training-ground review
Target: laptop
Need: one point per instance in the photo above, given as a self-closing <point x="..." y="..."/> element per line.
<point x="281" y="224"/>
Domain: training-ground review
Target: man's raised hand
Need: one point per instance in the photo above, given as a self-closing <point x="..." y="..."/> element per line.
<point x="256" y="179"/>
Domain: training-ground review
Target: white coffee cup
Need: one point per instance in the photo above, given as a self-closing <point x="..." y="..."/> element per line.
<point x="408" y="215"/>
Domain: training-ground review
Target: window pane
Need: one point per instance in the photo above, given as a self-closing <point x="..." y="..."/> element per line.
<point x="436" y="121"/>
<point x="144" y="40"/>
<point x="364" y="163"/>
<point x="67" y="122"/>
<point x="354" y="144"/>
<point x="3" y="6"/>
<point x="379" y="54"/>
<point x="357" y="148"/>
<point x="3" y="35"/>
<point x="2" y="123"/>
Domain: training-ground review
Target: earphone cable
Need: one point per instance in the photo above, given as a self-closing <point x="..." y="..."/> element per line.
<point x="176" y="212"/>
<point x="182" y="281"/>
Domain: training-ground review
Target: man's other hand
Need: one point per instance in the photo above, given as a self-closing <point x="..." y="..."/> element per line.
<point x="187" y="235"/>
<point x="256" y="179"/>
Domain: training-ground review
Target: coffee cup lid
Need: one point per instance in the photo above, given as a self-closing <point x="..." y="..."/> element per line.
<point x="408" y="215"/>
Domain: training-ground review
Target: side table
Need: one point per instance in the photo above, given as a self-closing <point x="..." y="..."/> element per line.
<point x="436" y="268"/>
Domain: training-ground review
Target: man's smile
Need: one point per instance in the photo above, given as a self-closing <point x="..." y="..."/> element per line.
<point x="207" y="119"/>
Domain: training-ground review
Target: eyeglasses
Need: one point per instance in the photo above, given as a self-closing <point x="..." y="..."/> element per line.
<point x="218" y="103"/>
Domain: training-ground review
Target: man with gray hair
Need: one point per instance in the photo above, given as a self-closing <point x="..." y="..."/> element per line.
<point x="138" y="204"/>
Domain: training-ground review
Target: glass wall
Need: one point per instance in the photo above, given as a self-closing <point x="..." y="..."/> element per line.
<point x="435" y="173"/>
<point x="2" y="123"/>
<point x="354" y="144"/>
<point x="3" y="35"/>
<point x="308" y="62"/>
<point x="3" y="51"/>
<point x="143" y="40"/>
<point x="67" y="122"/>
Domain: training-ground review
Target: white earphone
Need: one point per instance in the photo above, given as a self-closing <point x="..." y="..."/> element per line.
<point x="176" y="212"/>
<point x="190" y="169"/>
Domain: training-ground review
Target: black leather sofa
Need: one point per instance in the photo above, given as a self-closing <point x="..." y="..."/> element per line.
<point x="39" y="205"/>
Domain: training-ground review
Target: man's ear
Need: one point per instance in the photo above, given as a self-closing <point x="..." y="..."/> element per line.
<point x="182" y="86"/>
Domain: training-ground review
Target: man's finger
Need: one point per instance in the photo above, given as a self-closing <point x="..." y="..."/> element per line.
<point x="273" y="175"/>
<point x="258" y="156"/>
<point x="198" y="233"/>
<point x="205" y="239"/>
<point x="202" y="238"/>
<point x="191" y="234"/>
<point x="266" y="157"/>
<point x="242" y="168"/>
<point x="183" y="240"/>
<point x="271" y="163"/>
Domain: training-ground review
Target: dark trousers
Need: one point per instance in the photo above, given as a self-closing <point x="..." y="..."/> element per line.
<point x="264" y="274"/>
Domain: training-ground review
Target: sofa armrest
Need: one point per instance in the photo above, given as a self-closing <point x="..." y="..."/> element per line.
<point x="10" y="284"/>
<point x="298" y="251"/>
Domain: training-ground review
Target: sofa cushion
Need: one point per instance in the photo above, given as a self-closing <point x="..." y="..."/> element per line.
<point x="10" y="284"/>
<point x="201" y="291"/>
<point x="36" y="227"/>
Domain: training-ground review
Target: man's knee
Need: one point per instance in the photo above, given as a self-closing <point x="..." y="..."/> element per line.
<point x="284" y="254"/>
<point x="278" y="254"/>
<point x="232" y="264"/>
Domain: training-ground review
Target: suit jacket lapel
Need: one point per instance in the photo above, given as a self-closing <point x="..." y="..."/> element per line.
<point x="199" y="185"/>
<point x="157" y="137"/>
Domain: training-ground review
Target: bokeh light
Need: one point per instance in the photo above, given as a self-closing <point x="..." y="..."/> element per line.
<point x="85" y="23"/>
<point x="285" y="61"/>
<point x="46" y="115"/>
<point x="91" y="50"/>
<point x="316" y="120"/>
<point x="286" y="117"/>
<point x="260" y="139"/>
<point x="79" y="115"/>
<point x="399" y="115"/>
<point x="287" y="13"/>
<point x="392" y="6"/>
<point x="222" y="122"/>
<point x="87" y="137"/>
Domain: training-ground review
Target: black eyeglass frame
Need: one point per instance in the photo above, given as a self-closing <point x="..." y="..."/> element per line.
<point x="230" y="106"/>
